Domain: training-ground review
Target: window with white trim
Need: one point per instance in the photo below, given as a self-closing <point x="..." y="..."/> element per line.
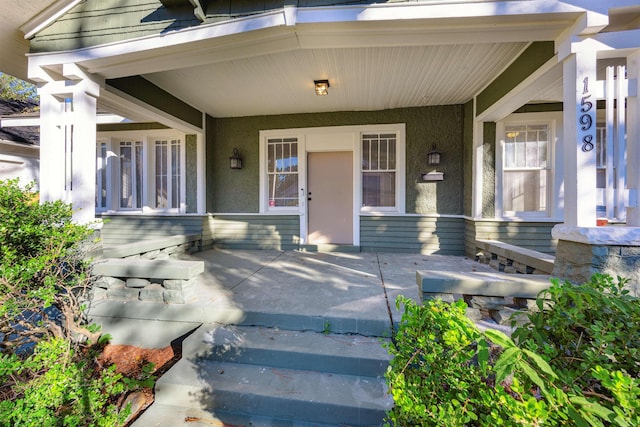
<point x="379" y="170"/>
<point x="101" y="176"/>
<point x="130" y="153"/>
<point x="167" y="173"/>
<point x="282" y="172"/>
<point x="526" y="169"/>
<point x="149" y="174"/>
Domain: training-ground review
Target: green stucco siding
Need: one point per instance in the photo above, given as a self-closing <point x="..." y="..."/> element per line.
<point x="467" y="159"/>
<point x="237" y="191"/>
<point x="412" y="234"/>
<point x="191" y="173"/>
<point x="489" y="170"/>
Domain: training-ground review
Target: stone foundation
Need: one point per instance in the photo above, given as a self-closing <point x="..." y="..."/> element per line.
<point x="582" y="252"/>
<point x="169" y="291"/>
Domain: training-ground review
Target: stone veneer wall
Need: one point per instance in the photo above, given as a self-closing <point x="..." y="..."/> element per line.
<point x="168" y="291"/>
<point x="583" y="251"/>
<point x="577" y="262"/>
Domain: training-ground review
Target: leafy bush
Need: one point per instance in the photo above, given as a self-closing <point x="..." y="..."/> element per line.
<point x="43" y="275"/>
<point x="57" y="387"/>
<point x="49" y="369"/>
<point x="575" y="363"/>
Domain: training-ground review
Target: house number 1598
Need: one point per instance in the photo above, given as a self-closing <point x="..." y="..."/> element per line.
<point x="585" y="119"/>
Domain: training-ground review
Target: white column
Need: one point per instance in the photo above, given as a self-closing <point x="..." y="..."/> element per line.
<point x="579" y="139"/>
<point x="52" y="150"/>
<point x="633" y="142"/>
<point x="83" y="194"/>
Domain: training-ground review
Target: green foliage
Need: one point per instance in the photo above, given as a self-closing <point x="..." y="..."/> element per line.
<point x="56" y="387"/>
<point x="41" y="268"/>
<point x="594" y="324"/>
<point x="13" y="88"/>
<point x="49" y="370"/>
<point x="576" y="363"/>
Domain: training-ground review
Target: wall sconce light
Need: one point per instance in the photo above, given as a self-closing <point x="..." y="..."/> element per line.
<point x="433" y="157"/>
<point x="322" y="87"/>
<point x="235" y="162"/>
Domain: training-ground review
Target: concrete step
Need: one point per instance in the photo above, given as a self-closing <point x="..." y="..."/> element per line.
<point x="280" y="393"/>
<point x="374" y="327"/>
<point x="263" y="376"/>
<point x="482" y="283"/>
<point x="332" y="353"/>
<point x="173" y="416"/>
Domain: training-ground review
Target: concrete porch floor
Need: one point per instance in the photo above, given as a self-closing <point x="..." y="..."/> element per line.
<point x="346" y="292"/>
<point x="307" y="329"/>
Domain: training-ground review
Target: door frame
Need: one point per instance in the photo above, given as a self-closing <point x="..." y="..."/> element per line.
<point x="333" y="138"/>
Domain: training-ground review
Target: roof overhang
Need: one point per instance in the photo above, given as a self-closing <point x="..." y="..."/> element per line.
<point x="378" y="56"/>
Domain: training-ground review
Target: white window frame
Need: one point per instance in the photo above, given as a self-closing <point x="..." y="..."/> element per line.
<point x="105" y="185"/>
<point x="148" y="197"/>
<point x="333" y="138"/>
<point x="551" y="120"/>
<point x="151" y="166"/>
<point x="399" y="205"/>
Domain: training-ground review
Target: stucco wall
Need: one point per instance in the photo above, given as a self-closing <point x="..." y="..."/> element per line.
<point x="237" y="191"/>
<point x="191" y="162"/>
<point x="489" y="170"/>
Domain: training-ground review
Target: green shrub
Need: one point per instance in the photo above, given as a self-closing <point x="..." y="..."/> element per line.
<point x="43" y="274"/>
<point x="54" y="386"/>
<point x="574" y="364"/>
<point x="49" y="370"/>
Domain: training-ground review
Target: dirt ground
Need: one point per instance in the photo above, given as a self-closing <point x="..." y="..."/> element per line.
<point x="129" y="361"/>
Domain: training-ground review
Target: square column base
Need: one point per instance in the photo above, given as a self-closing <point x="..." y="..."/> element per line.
<point x="583" y="251"/>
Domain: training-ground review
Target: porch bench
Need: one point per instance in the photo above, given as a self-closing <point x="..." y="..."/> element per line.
<point x="168" y="281"/>
<point x="513" y="259"/>
<point x="152" y="248"/>
<point x="497" y="296"/>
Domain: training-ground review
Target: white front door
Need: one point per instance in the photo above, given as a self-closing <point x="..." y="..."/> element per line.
<point x="330" y="197"/>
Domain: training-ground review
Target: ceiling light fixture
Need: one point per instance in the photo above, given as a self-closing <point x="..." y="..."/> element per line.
<point x="322" y="87"/>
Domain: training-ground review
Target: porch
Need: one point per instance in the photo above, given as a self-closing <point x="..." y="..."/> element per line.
<point x="304" y="330"/>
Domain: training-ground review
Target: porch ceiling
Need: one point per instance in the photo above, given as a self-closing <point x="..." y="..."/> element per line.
<point x="372" y="65"/>
<point x="361" y="79"/>
<point x="266" y="64"/>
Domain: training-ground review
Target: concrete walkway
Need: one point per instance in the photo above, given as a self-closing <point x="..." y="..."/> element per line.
<point x="306" y="289"/>
<point x="323" y="294"/>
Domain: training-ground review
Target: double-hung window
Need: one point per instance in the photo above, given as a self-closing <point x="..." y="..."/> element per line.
<point x="379" y="170"/>
<point x="282" y="172"/>
<point x="526" y="169"/>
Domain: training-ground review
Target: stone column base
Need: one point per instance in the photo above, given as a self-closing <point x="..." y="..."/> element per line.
<point x="583" y="251"/>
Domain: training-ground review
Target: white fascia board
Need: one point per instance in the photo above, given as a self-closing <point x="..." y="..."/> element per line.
<point x="432" y="10"/>
<point x="47" y="16"/>
<point x="589" y="24"/>
<point x="12" y="122"/>
<point x="291" y="17"/>
<point x="177" y="38"/>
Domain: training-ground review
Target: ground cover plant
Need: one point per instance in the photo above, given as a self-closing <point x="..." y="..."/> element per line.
<point x="575" y="363"/>
<point x="50" y="371"/>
